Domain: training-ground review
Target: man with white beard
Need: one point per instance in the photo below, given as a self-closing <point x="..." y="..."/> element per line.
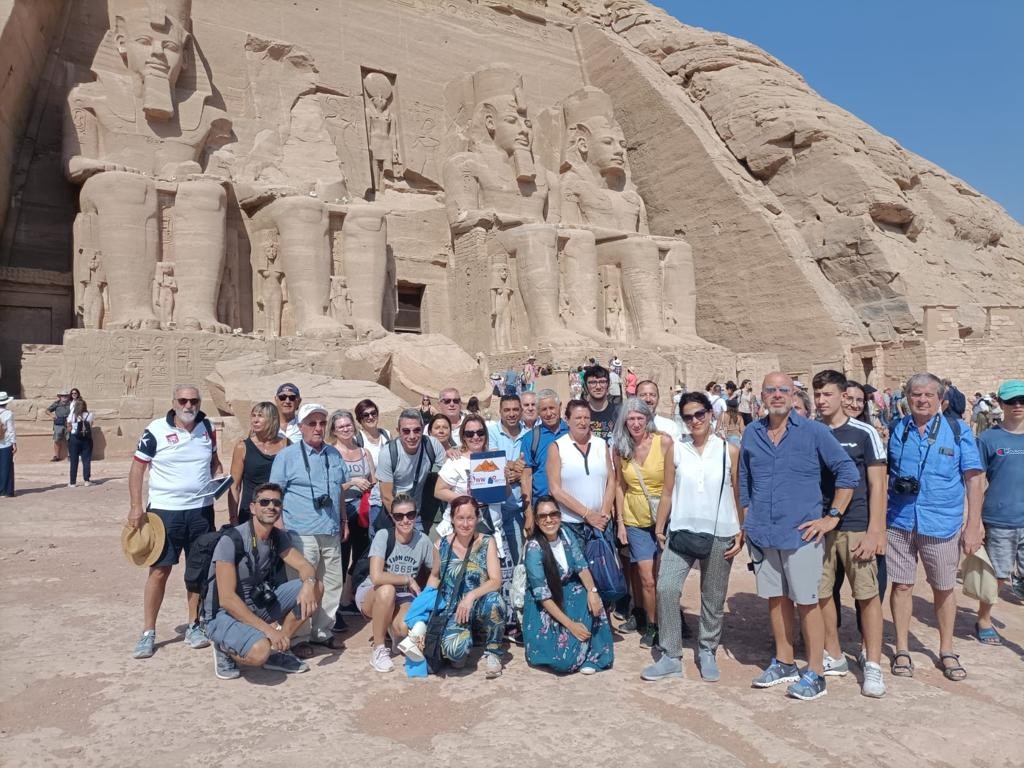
<point x="180" y="450"/>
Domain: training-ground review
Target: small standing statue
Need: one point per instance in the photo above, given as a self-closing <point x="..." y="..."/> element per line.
<point x="614" y="322"/>
<point x="130" y="378"/>
<point x="341" y="301"/>
<point x="379" y="96"/>
<point x="271" y="300"/>
<point x="164" y="289"/>
<point x="93" y="288"/>
<point x="501" y="300"/>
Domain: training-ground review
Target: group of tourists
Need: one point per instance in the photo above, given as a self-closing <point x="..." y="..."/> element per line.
<point x="607" y="508"/>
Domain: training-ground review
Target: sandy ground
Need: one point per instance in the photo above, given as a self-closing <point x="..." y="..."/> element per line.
<point x="71" y="610"/>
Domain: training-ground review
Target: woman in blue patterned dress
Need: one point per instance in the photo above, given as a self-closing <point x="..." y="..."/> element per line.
<point x="478" y="607"/>
<point x="564" y="624"/>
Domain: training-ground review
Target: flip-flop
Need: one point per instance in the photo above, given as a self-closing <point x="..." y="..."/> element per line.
<point x="956" y="671"/>
<point x="902" y="670"/>
<point x="987" y="635"/>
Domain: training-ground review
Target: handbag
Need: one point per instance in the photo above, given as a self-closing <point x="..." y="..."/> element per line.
<point x="438" y="620"/>
<point x="517" y="590"/>
<point x="693" y="544"/>
<point x="604" y="567"/>
<point x="652" y="501"/>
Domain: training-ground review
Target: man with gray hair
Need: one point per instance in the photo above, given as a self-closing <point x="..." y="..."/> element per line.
<point x="449" y="402"/>
<point x="180" y="450"/>
<point x="406" y="461"/>
<point x="933" y="461"/>
<point x="552" y="426"/>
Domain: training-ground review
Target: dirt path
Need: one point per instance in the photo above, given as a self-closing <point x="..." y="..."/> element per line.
<point x="70" y="612"/>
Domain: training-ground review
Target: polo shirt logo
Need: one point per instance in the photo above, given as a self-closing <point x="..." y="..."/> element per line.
<point x="172" y="438"/>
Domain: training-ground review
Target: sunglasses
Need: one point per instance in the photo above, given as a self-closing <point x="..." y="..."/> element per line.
<point x="399" y="516"/>
<point x="1014" y="401"/>
<point x="695" y="416"/>
<point x="451" y="400"/>
<point x="183" y="401"/>
<point x="475" y="432"/>
<point x="287" y="398"/>
<point x="773" y="390"/>
<point x="269" y="502"/>
<point x="412" y="430"/>
<point x="368" y="415"/>
<point x="548" y="516"/>
<point x="315" y="424"/>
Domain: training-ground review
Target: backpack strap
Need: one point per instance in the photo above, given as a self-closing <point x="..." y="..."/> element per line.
<point x="359" y="438"/>
<point x="954" y="424"/>
<point x="428" y="446"/>
<point x="393" y="452"/>
<point x="535" y="443"/>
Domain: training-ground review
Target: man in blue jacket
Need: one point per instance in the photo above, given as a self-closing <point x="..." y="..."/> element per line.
<point x="781" y="460"/>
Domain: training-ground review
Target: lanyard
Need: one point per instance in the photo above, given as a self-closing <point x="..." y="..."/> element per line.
<point x="933" y="434"/>
<point x="327" y="471"/>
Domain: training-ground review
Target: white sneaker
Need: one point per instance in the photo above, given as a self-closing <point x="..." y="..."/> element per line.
<point x="874" y="685"/>
<point x="87" y="483"/>
<point x="381" y="659"/>
<point x="492" y="665"/>
<point x="836" y="667"/>
<point x="411" y="650"/>
<point x="71" y="485"/>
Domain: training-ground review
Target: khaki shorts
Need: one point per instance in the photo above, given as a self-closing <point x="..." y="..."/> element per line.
<point x="862" y="574"/>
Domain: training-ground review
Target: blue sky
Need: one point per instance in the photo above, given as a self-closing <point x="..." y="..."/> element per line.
<point x="943" y="78"/>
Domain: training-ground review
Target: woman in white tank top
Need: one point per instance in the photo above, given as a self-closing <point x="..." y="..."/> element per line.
<point x="580" y="473"/>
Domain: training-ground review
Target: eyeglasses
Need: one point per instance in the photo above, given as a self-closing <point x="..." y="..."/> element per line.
<point x="411" y="430"/>
<point x="183" y="401"/>
<point x="1013" y="401"/>
<point x="346" y="425"/>
<point x="696" y="415"/>
<point x="597" y="381"/>
<point x="367" y="415"/>
<point x="541" y="516"/>
<point x="475" y="432"/>
<point x="269" y="502"/>
<point x="399" y="516"/>
<point x="315" y="424"/>
<point x="773" y="390"/>
<point x="451" y="400"/>
<point x="287" y="398"/>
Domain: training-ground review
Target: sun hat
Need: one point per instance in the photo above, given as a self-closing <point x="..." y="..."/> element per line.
<point x="310" y="408"/>
<point x="1011" y="388"/>
<point x="63" y="391"/>
<point x="980" y="580"/>
<point x="5" y="398"/>
<point x="143" y="546"/>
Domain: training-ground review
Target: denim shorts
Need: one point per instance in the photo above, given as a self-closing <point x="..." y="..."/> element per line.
<point x="236" y="637"/>
<point x="1005" y="547"/>
<point x="181" y="528"/>
<point x="643" y="544"/>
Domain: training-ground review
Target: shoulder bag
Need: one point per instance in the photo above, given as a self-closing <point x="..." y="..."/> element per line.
<point x="439" y="618"/>
<point x="652" y="501"/>
<point x="693" y="544"/>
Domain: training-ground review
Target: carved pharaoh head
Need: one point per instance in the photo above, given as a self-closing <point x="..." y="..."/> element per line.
<point x="500" y="115"/>
<point x="594" y="138"/>
<point x="154" y="41"/>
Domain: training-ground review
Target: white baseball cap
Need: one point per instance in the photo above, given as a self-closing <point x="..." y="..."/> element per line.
<point x="309" y="408"/>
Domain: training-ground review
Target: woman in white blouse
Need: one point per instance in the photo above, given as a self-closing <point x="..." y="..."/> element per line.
<point x="79" y="430"/>
<point x="705" y="500"/>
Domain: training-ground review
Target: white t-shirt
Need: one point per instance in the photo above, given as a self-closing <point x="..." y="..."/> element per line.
<point x="583" y="477"/>
<point x="373" y="449"/>
<point x="695" y="495"/>
<point x="455" y="472"/>
<point x="179" y="462"/>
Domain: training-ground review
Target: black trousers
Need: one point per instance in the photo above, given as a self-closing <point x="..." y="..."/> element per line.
<point x="80" y="448"/>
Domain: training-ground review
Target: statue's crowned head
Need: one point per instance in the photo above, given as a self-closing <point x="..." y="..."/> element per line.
<point x="500" y="116"/>
<point x="154" y="40"/>
<point x="594" y="138"/>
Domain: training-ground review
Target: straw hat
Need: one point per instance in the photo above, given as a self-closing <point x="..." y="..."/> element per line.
<point x="143" y="546"/>
<point x="980" y="577"/>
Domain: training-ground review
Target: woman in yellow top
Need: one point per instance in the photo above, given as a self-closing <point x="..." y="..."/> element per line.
<point x="643" y="459"/>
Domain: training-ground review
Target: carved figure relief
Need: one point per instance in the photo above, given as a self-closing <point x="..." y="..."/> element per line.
<point x="271" y="296"/>
<point x="341" y="301"/>
<point x="381" y="127"/>
<point x="165" y="288"/>
<point x="93" y="291"/>
<point x="130" y="378"/>
<point x="501" y="302"/>
<point x="138" y="124"/>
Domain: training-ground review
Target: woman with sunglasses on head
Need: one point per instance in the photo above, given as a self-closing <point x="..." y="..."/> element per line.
<point x="468" y="575"/>
<point x="252" y="458"/>
<point x="385" y="595"/>
<point x="453" y="482"/>
<point x="704" y="500"/>
<point x="564" y="623"/>
<point x="643" y="468"/>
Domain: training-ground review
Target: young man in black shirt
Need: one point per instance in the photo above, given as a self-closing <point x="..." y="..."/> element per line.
<point x="602" y="411"/>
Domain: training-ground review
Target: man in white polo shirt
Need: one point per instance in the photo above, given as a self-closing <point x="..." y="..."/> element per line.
<point x="180" y="451"/>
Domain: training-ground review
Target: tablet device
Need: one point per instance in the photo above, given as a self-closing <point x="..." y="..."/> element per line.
<point x="216" y="488"/>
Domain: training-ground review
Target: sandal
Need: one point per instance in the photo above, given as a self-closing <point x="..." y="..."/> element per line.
<point x="303" y="650"/>
<point x="333" y="643"/>
<point x="987" y="635"/>
<point x="902" y="670"/>
<point x="956" y="672"/>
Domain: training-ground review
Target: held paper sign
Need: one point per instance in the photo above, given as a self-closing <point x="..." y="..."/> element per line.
<point x="487" y="476"/>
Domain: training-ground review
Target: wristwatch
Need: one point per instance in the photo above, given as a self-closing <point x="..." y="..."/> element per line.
<point x="834" y="513"/>
<point x="593" y="589"/>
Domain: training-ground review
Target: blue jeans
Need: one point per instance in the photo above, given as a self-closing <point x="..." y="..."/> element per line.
<point x="7" y="471"/>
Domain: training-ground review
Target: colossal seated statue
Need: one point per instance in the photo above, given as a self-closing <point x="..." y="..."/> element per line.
<point x="139" y="128"/>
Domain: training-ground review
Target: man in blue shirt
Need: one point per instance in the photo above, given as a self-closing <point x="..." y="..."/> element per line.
<point x="1002" y="453"/>
<point x="535" y="451"/>
<point x="311" y="473"/>
<point x="507" y="435"/>
<point x="781" y="457"/>
<point x="932" y="459"/>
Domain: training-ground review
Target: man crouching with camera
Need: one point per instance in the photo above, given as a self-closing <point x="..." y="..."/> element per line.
<point x="249" y="621"/>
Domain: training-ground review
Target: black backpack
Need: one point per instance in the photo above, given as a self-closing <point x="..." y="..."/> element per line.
<point x="426" y="448"/>
<point x="200" y="558"/>
<point x="359" y="436"/>
<point x="361" y="570"/>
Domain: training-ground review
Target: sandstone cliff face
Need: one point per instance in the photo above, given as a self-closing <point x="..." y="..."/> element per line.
<point x="889" y="230"/>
